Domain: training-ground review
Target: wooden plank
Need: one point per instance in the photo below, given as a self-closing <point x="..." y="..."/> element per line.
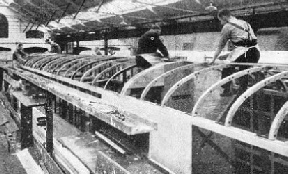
<point x="28" y="101"/>
<point x="11" y="81"/>
<point x="168" y="131"/>
<point x="107" y="165"/>
<point x="94" y="106"/>
<point x="275" y="146"/>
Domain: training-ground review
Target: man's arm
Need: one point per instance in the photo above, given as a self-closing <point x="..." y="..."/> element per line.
<point x="19" y="57"/>
<point x="222" y="42"/>
<point x="162" y="48"/>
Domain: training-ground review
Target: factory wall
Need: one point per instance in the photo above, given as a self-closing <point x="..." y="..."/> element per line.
<point x="269" y="39"/>
<point x="17" y="33"/>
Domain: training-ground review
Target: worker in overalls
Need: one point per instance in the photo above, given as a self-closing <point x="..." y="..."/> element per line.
<point x="245" y="45"/>
<point x="148" y="45"/>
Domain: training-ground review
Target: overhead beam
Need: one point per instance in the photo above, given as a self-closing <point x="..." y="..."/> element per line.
<point x="50" y="18"/>
<point x="100" y="5"/>
<point x="68" y="5"/>
<point x="83" y="1"/>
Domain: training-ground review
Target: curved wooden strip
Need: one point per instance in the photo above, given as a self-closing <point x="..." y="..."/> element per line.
<point x="67" y="64"/>
<point x="118" y="65"/>
<point x="33" y="60"/>
<point x="82" y="66"/>
<point x="71" y="65"/>
<point x="222" y="82"/>
<point x="250" y="92"/>
<point x="54" y="68"/>
<point x="277" y="121"/>
<point x="95" y="68"/>
<point x="187" y="78"/>
<point x="92" y="62"/>
<point x="39" y="59"/>
<point x="42" y="62"/>
<point x="138" y="76"/>
<point x="147" y="88"/>
<point x="118" y="73"/>
<point x="56" y="62"/>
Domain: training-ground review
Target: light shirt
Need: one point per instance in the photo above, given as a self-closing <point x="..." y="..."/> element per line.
<point x="235" y="34"/>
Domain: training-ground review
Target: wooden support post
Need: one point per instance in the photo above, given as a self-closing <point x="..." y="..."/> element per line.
<point x="49" y="123"/>
<point x="74" y="116"/>
<point x="26" y="126"/>
<point x="54" y="104"/>
<point x="12" y="100"/>
<point x="82" y="121"/>
<point x="105" y="43"/>
<point x="70" y="113"/>
<point x="63" y="109"/>
<point x="91" y="126"/>
<point x="1" y="78"/>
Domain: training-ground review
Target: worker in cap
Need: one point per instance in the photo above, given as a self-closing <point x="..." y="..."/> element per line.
<point x="148" y="45"/>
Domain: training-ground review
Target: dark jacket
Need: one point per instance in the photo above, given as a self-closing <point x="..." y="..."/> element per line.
<point x="150" y="43"/>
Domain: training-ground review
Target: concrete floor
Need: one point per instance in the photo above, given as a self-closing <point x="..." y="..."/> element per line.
<point x="9" y="162"/>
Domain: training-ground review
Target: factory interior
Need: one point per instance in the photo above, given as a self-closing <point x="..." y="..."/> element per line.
<point x="143" y="86"/>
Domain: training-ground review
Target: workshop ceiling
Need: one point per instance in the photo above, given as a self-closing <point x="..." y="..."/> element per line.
<point x="92" y="15"/>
